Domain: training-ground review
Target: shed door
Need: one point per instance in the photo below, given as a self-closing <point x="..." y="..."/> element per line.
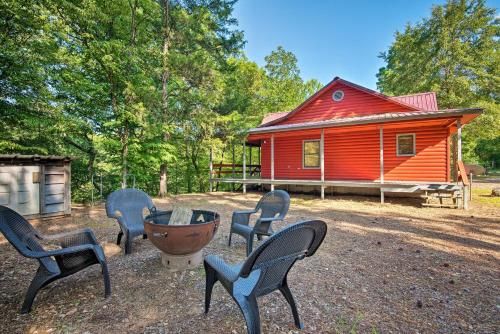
<point x="19" y="188"/>
<point x="54" y="189"/>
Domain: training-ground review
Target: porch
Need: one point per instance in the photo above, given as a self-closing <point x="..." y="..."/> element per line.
<point x="433" y="190"/>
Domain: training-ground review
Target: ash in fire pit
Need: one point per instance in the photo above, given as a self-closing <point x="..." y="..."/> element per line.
<point x="181" y="235"/>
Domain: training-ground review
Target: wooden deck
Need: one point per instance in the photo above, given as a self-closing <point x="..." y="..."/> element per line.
<point x="385" y="187"/>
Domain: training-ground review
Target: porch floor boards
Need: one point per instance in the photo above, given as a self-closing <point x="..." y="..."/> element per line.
<point x="397" y="186"/>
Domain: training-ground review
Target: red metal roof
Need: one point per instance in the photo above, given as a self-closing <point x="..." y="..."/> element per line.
<point x="272" y="117"/>
<point x="423" y="101"/>
<point x="376" y="118"/>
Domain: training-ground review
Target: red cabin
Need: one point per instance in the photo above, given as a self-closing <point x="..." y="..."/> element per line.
<point x="346" y="135"/>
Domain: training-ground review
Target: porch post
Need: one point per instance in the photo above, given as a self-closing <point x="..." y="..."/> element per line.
<point x="381" y="130"/>
<point x="250" y="159"/>
<point x="322" y="162"/>
<point x="459" y="140"/>
<point x="272" y="161"/>
<point x="211" y="168"/>
<point x="244" y="167"/>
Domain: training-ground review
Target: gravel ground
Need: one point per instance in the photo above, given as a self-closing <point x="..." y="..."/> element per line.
<point x="393" y="268"/>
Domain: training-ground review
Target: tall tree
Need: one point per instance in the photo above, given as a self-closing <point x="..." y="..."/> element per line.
<point x="454" y="53"/>
<point x="285" y="88"/>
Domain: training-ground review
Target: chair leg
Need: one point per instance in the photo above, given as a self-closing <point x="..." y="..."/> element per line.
<point x="128" y="244"/>
<point x="250" y="243"/>
<point x="229" y="242"/>
<point x="40" y="280"/>
<point x="211" y="279"/>
<point x="119" y="238"/>
<point x="250" y="309"/>
<point x="107" y="282"/>
<point x="285" y="290"/>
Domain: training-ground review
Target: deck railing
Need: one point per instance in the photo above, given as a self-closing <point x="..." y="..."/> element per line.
<point x="235" y="171"/>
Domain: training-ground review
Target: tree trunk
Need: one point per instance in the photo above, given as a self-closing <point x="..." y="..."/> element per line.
<point x="164" y="92"/>
<point x="124" y="155"/>
<point x="163" y="180"/>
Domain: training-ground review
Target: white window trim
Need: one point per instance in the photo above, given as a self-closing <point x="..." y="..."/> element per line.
<point x="341" y="98"/>
<point x="414" y="145"/>
<point x="304" y="151"/>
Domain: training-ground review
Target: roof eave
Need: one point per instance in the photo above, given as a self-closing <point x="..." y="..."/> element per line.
<point x="331" y="124"/>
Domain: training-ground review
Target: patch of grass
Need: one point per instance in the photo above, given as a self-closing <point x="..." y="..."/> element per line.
<point x="483" y="196"/>
<point x="346" y="326"/>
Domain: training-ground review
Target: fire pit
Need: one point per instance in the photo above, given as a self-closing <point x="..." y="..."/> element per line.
<point x="181" y="245"/>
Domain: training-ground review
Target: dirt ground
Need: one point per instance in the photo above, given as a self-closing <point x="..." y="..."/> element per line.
<point x="393" y="268"/>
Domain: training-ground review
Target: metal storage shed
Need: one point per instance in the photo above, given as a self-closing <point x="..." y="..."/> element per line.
<point x="36" y="185"/>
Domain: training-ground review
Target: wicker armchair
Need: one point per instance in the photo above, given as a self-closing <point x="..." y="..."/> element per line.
<point x="273" y="207"/>
<point x="126" y="206"/>
<point x="265" y="270"/>
<point x="79" y="249"/>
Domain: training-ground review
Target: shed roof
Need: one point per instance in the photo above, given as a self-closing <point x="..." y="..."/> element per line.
<point x="17" y="158"/>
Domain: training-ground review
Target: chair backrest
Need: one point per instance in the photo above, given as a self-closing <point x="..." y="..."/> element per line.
<point x="18" y="231"/>
<point x="274" y="204"/>
<point x="24" y="237"/>
<point x="129" y="203"/>
<point x="276" y="255"/>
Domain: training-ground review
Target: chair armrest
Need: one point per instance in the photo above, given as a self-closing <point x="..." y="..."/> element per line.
<point x="226" y="272"/>
<point x="58" y="236"/>
<point x="244" y="212"/>
<point x="273" y="219"/>
<point x="242" y="217"/>
<point x="63" y="251"/>
<point x="261" y="221"/>
<point x="73" y="238"/>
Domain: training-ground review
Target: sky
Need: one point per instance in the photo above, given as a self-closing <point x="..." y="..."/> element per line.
<point x="329" y="37"/>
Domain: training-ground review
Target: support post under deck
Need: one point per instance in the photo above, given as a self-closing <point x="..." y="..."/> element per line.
<point x="322" y="161"/>
<point x="272" y="161"/>
<point x="381" y="130"/>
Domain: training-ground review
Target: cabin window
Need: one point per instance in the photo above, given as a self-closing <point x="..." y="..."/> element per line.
<point x="311" y="154"/>
<point x="338" y="95"/>
<point x="405" y="144"/>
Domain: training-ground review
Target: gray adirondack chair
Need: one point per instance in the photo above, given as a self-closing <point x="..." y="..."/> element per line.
<point x="265" y="270"/>
<point x="79" y="249"/>
<point x="127" y="206"/>
<point x="273" y="206"/>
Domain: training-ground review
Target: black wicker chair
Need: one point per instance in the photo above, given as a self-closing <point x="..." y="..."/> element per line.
<point x="265" y="270"/>
<point x="126" y="206"/>
<point x="79" y="249"/>
<point x="273" y="207"/>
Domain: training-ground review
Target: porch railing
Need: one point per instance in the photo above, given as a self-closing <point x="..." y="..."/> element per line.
<point x="235" y="171"/>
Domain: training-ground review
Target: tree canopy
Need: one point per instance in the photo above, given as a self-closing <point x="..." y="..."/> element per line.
<point x="134" y="90"/>
<point x="454" y="53"/>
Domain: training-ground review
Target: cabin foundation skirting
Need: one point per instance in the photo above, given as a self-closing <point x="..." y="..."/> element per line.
<point x="436" y="194"/>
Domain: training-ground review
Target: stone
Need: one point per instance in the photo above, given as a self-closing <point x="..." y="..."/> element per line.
<point x="495" y="192"/>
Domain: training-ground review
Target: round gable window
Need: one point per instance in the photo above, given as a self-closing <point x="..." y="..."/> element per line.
<point x="338" y="95"/>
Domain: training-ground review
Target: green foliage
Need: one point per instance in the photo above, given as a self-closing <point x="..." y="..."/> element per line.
<point x="284" y="87"/>
<point x="128" y="87"/>
<point x="454" y="53"/>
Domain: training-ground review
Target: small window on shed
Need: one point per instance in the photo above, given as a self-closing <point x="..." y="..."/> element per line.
<point x="405" y="144"/>
<point x="311" y="153"/>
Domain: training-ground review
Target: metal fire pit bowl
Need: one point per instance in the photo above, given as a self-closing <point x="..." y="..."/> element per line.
<point x="181" y="245"/>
